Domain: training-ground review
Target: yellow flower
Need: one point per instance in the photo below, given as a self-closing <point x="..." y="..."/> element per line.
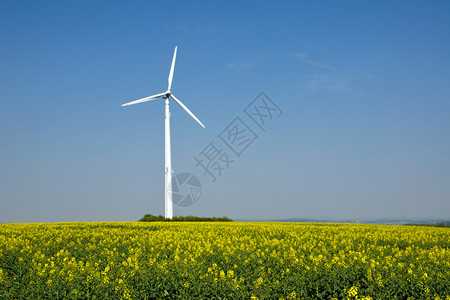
<point x="353" y="291"/>
<point x="259" y="281"/>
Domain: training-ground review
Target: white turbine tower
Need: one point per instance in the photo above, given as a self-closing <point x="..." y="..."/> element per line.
<point x="168" y="161"/>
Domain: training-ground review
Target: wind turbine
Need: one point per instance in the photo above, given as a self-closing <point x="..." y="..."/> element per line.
<point x="168" y="161"/>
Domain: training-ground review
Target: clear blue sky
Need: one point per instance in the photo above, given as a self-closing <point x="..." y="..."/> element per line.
<point x="364" y="87"/>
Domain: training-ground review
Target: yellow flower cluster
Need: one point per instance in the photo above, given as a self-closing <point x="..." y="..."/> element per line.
<point x="132" y="260"/>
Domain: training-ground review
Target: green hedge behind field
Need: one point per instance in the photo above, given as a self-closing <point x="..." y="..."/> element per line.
<point x="152" y="218"/>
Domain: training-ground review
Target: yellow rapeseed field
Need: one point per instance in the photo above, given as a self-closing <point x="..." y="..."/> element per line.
<point x="133" y="260"/>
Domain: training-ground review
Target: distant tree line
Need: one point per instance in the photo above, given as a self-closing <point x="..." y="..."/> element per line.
<point x="152" y="218"/>
<point x="441" y="224"/>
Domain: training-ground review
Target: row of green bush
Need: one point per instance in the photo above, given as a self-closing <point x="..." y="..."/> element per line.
<point x="152" y="218"/>
<point x="441" y="224"/>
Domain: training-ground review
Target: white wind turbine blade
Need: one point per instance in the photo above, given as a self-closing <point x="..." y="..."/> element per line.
<point x="171" y="69"/>
<point x="145" y="99"/>
<point x="187" y="110"/>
